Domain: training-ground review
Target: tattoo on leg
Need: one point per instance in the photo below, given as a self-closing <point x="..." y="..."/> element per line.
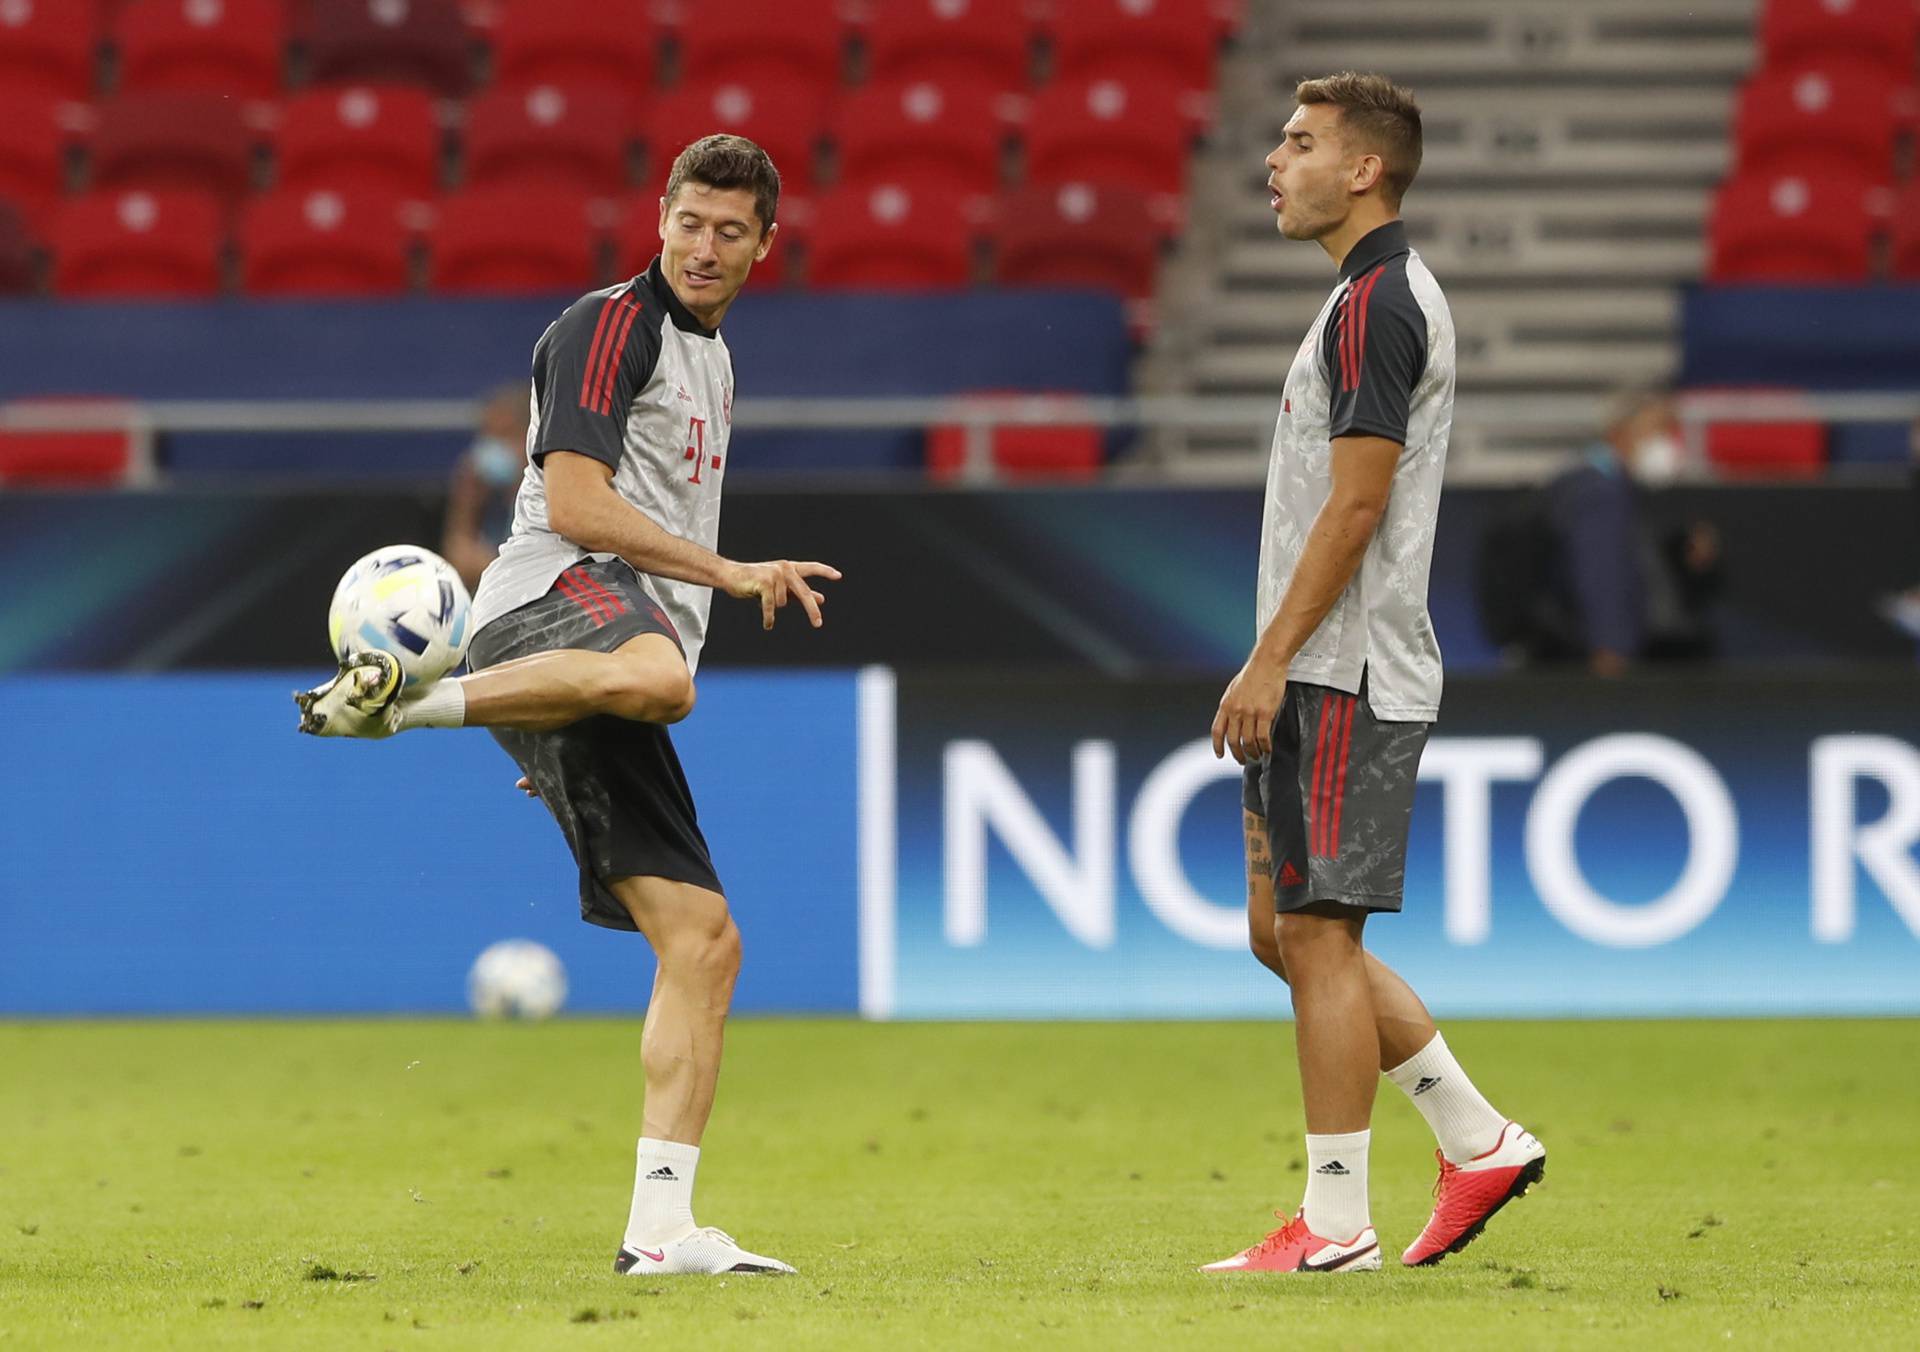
<point x="1259" y="857"/>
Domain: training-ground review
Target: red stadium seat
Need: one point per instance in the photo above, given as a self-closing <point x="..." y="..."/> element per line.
<point x="1785" y="450"/>
<point x="1019" y="452"/>
<point x="138" y="243"/>
<point x="17" y="271"/>
<point x="1173" y="39"/>
<point x="1905" y="261"/>
<point x="488" y="241"/>
<point x="33" y="150"/>
<point x="544" y="137"/>
<point x="973" y="41"/>
<point x="317" y="242"/>
<point x="215" y="46"/>
<point x="755" y="41"/>
<point x="1793" y="228"/>
<point x="577" y="44"/>
<point x="1877" y="32"/>
<point x="1838" y="115"/>
<point x="167" y="141"/>
<point x="49" y="47"/>
<point x="361" y="138"/>
<point x="785" y="119"/>
<point x="923" y="132"/>
<point x="1108" y="131"/>
<point x="407" y="41"/>
<point x="1079" y="235"/>
<point x="889" y="237"/>
<point x="81" y="458"/>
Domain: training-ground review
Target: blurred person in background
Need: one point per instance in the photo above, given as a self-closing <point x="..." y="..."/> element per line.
<point x="1901" y="609"/>
<point x="485" y="481"/>
<point x="1580" y="574"/>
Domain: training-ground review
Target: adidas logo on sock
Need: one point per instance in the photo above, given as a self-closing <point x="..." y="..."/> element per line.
<point x="1334" y="1167"/>
<point x="663" y="1174"/>
<point x="1426" y="1082"/>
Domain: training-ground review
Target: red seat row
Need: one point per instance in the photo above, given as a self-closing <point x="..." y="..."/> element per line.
<point x="324" y="243"/>
<point x="239" y="47"/>
<point x="1818" y="136"/>
<point x="391" y="138"/>
<point x="1877" y="33"/>
<point x="1796" y="227"/>
<point x="234" y="47"/>
<point x="1824" y="114"/>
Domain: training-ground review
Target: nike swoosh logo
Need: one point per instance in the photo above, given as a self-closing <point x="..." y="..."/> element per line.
<point x="660" y="1257"/>
<point x="1339" y="1262"/>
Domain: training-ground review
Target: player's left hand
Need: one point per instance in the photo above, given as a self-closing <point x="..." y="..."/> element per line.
<point x="1244" y="723"/>
<point x="778" y="581"/>
<point x="525" y="786"/>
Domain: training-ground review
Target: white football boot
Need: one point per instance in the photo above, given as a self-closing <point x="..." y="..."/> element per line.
<point x="705" y="1251"/>
<point x="362" y="699"/>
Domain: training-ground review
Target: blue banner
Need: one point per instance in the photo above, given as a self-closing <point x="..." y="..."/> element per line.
<point x="970" y="847"/>
<point x="1070" y="848"/>
<point x="170" y="844"/>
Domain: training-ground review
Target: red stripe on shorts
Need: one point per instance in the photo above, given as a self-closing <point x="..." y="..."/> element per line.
<point x="570" y="588"/>
<point x="1340" y="785"/>
<point x="1315" y="805"/>
<point x="614" y="605"/>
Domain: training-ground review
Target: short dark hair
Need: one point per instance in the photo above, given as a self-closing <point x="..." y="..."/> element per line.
<point x="1380" y="114"/>
<point x="724" y="161"/>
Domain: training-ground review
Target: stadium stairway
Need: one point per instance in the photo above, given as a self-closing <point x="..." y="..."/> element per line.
<point x="1571" y="151"/>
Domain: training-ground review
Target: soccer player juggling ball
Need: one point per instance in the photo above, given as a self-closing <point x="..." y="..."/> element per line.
<point x="589" y="627"/>
<point x="1330" y="713"/>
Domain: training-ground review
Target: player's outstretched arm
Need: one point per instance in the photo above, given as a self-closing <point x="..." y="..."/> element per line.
<point x="1362" y="477"/>
<point x="583" y="506"/>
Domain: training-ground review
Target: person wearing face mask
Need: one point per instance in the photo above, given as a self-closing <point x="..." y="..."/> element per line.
<point x="1623" y="593"/>
<point x="480" y="497"/>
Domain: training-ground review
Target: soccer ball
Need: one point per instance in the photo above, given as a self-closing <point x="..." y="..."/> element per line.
<point x="517" y="979"/>
<point x="407" y="601"/>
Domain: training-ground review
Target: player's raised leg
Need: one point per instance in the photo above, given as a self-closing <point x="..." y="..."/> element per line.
<point x="645" y="680"/>
<point x="698" y="951"/>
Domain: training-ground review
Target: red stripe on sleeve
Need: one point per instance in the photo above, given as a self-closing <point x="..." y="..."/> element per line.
<point x="1360" y="340"/>
<point x="593" y="354"/>
<point x="1340" y="785"/>
<point x="1346" y="337"/>
<point x="610" y="360"/>
<point x="1315" y="801"/>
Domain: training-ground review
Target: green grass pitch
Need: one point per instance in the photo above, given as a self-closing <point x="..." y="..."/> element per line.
<point x="441" y="1185"/>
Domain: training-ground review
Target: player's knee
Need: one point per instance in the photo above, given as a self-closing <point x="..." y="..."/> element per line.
<point x="677" y="700"/>
<point x="718" y="953"/>
<point x="1306" y="943"/>
<point x="1264" y="939"/>
<point x="648" y="691"/>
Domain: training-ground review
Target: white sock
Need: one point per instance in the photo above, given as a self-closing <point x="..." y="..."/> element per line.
<point x="1336" y="1201"/>
<point x="1463" y="1122"/>
<point x="662" y="1192"/>
<point x="443" y="706"/>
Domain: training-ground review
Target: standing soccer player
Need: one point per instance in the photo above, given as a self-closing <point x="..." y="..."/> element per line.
<point x="1330" y="713"/>
<point x="589" y="627"/>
